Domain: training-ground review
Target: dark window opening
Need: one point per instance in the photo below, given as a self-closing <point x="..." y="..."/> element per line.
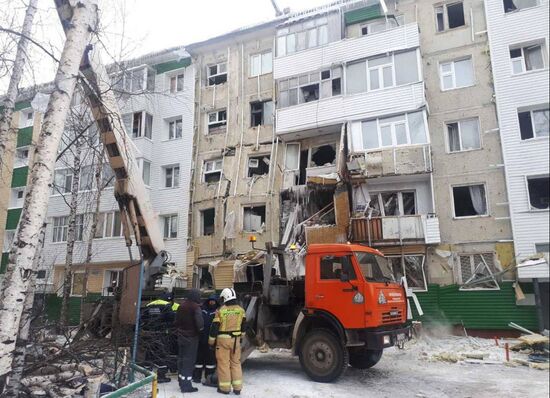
<point x="469" y="201"/>
<point x="325" y="74"/>
<point x="208" y="216"/>
<point x="136" y="126"/>
<point x="513" y="5"/>
<point x="217" y="74"/>
<point x="309" y="93"/>
<point x="206" y="280"/>
<point x="213" y="177"/>
<point x="261" y="113"/>
<point x="323" y="155"/>
<point x="364" y="31"/>
<point x="41" y="274"/>
<point x="455" y="13"/>
<point x="409" y="207"/>
<point x="303" y="166"/>
<point x="337" y="86"/>
<point x="525" y="125"/>
<point x="258" y="165"/>
<point x="254" y="218"/>
<point x="333" y="267"/>
<point x="539" y="192"/>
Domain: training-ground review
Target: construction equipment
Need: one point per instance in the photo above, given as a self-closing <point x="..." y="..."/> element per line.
<point x="346" y="309"/>
<point x="138" y="217"/>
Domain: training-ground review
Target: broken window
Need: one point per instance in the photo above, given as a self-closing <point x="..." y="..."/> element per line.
<point x="112" y="280"/>
<point x="109" y="225"/>
<point x="212" y="170"/>
<point x="253" y="218"/>
<point x="77" y="284"/>
<point x="534" y="123"/>
<point x="140" y="124"/>
<point x="217" y="74"/>
<point x="207" y="222"/>
<point x="513" y="5"/>
<point x="171" y="176"/>
<point x="527" y="58"/>
<point x="292" y="156"/>
<point x="332" y="267"/>
<point x="310" y="87"/>
<point x="217" y="121"/>
<point x="175" y="129"/>
<point x="258" y="165"/>
<point x="261" y="113"/>
<point x="324" y="155"/>
<point x="177" y="83"/>
<point x="449" y="16"/>
<point x="386" y="204"/>
<point x="463" y="135"/>
<point x="539" y="192"/>
<point x="63" y="180"/>
<point x="476" y="271"/>
<point x="170" y="226"/>
<point x="412" y="268"/>
<point x="469" y="201"/>
<point x="260" y="64"/>
<point x="205" y="278"/>
<point x="456" y="74"/>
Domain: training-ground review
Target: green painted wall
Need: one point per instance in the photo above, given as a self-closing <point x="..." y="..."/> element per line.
<point x="19" y="178"/>
<point x="481" y="309"/>
<point x="22" y="105"/>
<point x="172" y="65"/>
<point x="13" y="218"/>
<point x="362" y="14"/>
<point x="53" y="309"/>
<point x="4" y="262"/>
<point x="24" y="137"/>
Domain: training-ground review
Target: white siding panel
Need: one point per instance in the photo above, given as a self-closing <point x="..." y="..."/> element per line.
<point x="346" y="50"/>
<point x="341" y="109"/>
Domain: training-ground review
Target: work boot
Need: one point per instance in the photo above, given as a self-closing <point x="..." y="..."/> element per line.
<point x="186" y="386"/>
<point x="222" y="392"/>
<point x="210" y="381"/>
<point x="197" y="373"/>
<point x="237" y="392"/>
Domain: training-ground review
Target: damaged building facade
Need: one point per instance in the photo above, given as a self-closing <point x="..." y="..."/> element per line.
<point x="236" y="155"/>
<point x="395" y="110"/>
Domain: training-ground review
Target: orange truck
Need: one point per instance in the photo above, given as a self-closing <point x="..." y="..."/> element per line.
<point x="344" y="311"/>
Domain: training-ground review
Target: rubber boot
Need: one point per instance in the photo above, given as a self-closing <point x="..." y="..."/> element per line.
<point x="211" y="380"/>
<point x="161" y="375"/>
<point x="186" y="386"/>
<point x="197" y="375"/>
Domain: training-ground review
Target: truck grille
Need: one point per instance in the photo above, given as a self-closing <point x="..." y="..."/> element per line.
<point x="391" y="316"/>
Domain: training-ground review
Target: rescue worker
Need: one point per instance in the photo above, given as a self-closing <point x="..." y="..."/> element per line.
<point x="225" y="334"/>
<point x="206" y="359"/>
<point x="189" y="324"/>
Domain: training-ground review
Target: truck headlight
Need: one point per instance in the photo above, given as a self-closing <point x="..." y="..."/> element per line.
<point x="387" y="340"/>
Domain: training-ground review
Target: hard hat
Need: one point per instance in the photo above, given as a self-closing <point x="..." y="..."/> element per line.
<point x="228" y="294"/>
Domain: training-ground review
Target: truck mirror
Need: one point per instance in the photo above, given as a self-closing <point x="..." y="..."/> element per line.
<point x="344" y="277"/>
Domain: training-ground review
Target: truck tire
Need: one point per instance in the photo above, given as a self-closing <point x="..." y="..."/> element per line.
<point x="323" y="356"/>
<point x="361" y="358"/>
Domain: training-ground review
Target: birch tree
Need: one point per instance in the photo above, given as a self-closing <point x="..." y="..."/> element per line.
<point x="15" y="286"/>
<point x="7" y="133"/>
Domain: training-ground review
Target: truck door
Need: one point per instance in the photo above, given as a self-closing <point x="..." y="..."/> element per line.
<point x="326" y="290"/>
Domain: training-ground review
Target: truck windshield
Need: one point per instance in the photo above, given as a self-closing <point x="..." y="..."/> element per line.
<point x="374" y="268"/>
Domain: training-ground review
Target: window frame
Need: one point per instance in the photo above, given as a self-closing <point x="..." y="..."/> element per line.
<point x="168" y="227"/>
<point x="173" y="128"/>
<point x="214" y="170"/>
<point x="531" y="110"/>
<point x="400" y="206"/>
<point x="530" y="208"/>
<point x="445" y="6"/>
<point x="487" y="201"/>
<point x="175" y="76"/>
<point x="217" y="74"/>
<point x="175" y="182"/>
<point x="380" y="70"/>
<point x="73" y="273"/>
<point x="113" y="225"/>
<point x="473" y="267"/>
<point x="260" y="57"/>
<point x="459" y="123"/>
<point x="318" y="25"/>
<point x="9" y="236"/>
<point x="298" y="86"/>
<point x="56" y="191"/>
<point x="147" y="181"/>
<point x="452" y="73"/>
<point x="262" y="113"/>
<point x="251" y="206"/>
<point x="522" y="47"/>
<point x="218" y="124"/>
<point x="253" y="156"/>
<point x="106" y="282"/>
<point x="539" y="3"/>
<point x="63" y="229"/>
<point x="404" y="269"/>
<point x="201" y="218"/>
<point x="408" y="132"/>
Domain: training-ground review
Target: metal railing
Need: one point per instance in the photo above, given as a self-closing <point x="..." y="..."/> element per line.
<point x="150" y="377"/>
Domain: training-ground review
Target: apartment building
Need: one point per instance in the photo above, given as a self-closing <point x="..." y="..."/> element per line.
<point x="155" y="95"/>
<point x="518" y="37"/>
<point x="235" y="178"/>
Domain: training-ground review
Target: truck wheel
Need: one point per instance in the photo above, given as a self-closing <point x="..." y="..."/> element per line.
<point x="323" y="356"/>
<point x="361" y="358"/>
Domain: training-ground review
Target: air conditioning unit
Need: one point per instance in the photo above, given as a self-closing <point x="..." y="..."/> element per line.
<point x="253" y="163"/>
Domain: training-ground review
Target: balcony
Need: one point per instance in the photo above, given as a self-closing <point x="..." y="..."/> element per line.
<point x="400" y="38"/>
<point x="401" y="160"/>
<point x="396" y="230"/>
<point x="336" y="110"/>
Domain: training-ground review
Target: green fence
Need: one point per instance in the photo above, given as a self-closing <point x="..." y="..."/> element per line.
<point x="475" y="309"/>
<point x="53" y="307"/>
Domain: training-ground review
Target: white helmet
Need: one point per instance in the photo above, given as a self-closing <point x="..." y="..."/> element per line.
<point x="228" y="294"/>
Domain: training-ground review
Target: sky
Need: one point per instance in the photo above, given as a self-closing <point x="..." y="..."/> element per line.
<point x="131" y="28"/>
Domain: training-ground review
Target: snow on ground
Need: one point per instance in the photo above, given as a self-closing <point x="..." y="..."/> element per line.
<point x="415" y="372"/>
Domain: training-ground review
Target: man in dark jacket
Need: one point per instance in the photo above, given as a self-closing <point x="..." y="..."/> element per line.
<point x="189" y="324"/>
<point x="206" y="359"/>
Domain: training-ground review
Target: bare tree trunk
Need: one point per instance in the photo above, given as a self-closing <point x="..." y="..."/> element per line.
<point x="15" y="285"/>
<point x="71" y="236"/>
<point x="7" y="133"/>
<point x="14" y="385"/>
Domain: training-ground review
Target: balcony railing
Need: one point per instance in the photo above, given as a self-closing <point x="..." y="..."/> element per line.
<point x="400" y="160"/>
<point x="396" y="230"/>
